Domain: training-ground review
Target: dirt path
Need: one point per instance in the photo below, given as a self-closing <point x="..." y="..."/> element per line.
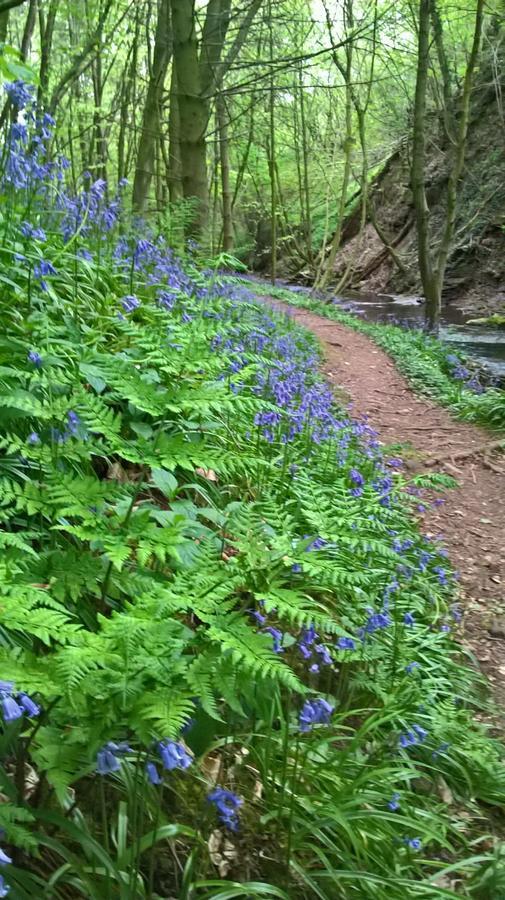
<point x="472" y="519"/>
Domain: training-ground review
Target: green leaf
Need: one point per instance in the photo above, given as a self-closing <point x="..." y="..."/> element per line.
<point x="165" y="481"/>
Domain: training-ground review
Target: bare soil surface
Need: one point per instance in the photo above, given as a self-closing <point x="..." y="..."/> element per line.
<point x="472" y="518"/>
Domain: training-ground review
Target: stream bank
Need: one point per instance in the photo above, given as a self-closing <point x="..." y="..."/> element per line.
<point x="472" y="517"/>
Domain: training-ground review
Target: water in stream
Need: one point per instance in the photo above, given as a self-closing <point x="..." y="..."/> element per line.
<point x="484" y="344"/>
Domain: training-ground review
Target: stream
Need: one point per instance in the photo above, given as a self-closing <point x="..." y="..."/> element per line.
<point x="484" y="344"/>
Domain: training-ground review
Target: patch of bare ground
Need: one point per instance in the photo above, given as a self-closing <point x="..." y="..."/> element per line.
<point x="472" y="518"/>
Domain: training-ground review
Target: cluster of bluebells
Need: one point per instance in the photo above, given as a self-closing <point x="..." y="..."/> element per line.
<point x="16" y="704"/>
<point x="89" y="210"/>
<point x="108" y="758"/>
<point x="227" y="805"/>
<point x="5" y="860"/>
<point x="27" y="164"/>
<point x="74" y="427"/>
<point x="314" y="651"/>
<point x="412" y="737"/>
<point x="459" y="372"/>
<point x="315" y="712"/>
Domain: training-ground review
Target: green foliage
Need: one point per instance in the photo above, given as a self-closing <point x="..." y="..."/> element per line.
<point x="173" y="529"/>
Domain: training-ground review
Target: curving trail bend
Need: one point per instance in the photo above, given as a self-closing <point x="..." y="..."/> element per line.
<point x="472" y="518"/>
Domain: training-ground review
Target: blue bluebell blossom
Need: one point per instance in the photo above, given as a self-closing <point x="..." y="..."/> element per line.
<point x="346" y="643"/>
<point x="4" y="859"/>
<point x="28" y="705"/>
<point x="276" y="637"/>
<point x="174" y="755"/>
<point x="227" y="806"/>
<point x="19" y="93"/>
<point x="415" y="735"/>
<point x="35" y="358"/>
<point x="411" y="667"/>
<point x="152" y="773"/>
<point x="107" y="762"/>
<point x="130" y="302"/>
<point x="408" y="619"/>
<point x="315" y="712"/>
<point x="413" y="843"/>
<point x="394" y="803"/>
<point x="4" y="887"/>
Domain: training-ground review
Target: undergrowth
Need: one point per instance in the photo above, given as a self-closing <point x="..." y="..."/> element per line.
<point x="424" y="360"/>
<point x="227" y="652"/>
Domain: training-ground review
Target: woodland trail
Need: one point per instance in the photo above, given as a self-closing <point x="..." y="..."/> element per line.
<point x="472" y="518"/>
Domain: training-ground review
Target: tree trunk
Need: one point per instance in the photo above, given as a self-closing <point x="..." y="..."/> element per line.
<point x="174" y="144"/>
<point x="432" y="270"/>
<point x="193" y="111"/>
<point x="4" y="24"/>
<point x="431" y="288"/>
<point x="224" y="153"/>
<point x="46" y="26"/>
<point x="151" y="118"/>
<point x="29" y="28"/>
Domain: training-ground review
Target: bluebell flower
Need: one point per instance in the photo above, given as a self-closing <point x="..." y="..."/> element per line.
<point x="35" y="358"/>
<point x="324" y="654"/>
<point x="415" y="735"/>
<point x="130" y="302"/>
<point x="43" y="268"/>
<point x="174" y="755"/>
<point x="356" y="477"/>
<point x="314" y="668"/>
<point x="4" y="859"/>
<point x="445" y="628"/>
<point x="408" y="619"/>
<point x="394" y="803"/>
<point x="277" y="638"/>
<point x="73" y="422"/>
<point x="152" y="773"/>
<point x="315" y="712"/>
<point x="30" y="707"/>
<point x="11" y="709"/>
<point x="346" y="643"/>
<point x="411" y="667"/>
<point x="32" y="232"/>
<point x="107" y="762"/>
<point x="442" y="749"/>
<point x="33" y="438"/>
<point x="227" y="805"/>
<point x="260" y="619"/>
<point x="19" y="93"/>
<point x="413" y="843"/>
<point x="296" y="568"/>
<point x="4" y="887"/>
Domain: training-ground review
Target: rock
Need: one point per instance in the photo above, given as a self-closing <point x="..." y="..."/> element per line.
<point x="497" y="628"/>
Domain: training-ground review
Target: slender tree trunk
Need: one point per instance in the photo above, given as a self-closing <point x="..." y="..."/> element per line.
<point x="326" y="269"/>
<point x="4" y="25"/>
<point x="174" y="153"/>
<point x="431" y="287"/>
<point x="224" y="153"/>
<point x="46" y="27"/>
<point x="29" y="28"/>
<point x="432" y="268"/>
<point x="305" y="155"/>
<point x="271" y="151"/>
<point x="151" y="118"/>
<point x="460" y="148"/>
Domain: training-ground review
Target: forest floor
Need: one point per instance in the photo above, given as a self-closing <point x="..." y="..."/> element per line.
<point x="471" y="521"/>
